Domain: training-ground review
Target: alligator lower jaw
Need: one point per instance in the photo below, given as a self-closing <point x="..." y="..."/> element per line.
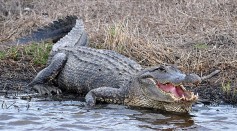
<point x="179" y="93"/>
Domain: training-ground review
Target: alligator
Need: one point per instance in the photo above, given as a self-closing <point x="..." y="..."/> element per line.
<point x="106" y="76"/>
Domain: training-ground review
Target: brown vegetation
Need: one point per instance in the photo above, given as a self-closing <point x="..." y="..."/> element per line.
<point x="198" y="36"/>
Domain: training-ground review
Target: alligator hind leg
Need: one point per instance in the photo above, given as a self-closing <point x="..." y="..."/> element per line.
<point x="39" y="82"/>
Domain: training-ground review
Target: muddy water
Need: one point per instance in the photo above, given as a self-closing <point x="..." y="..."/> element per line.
<point x="40" y="114"/>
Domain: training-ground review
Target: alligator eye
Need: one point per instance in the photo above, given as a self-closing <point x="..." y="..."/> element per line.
<point x="162" y="69"/>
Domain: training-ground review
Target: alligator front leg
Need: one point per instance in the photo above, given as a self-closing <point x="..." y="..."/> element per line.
<point x="38" y="84"/>
<point x="105" y="94"/>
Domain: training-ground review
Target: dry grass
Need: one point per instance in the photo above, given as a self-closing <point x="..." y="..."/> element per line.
<point x="198" y="36"/>
<point x="119" y="37"/>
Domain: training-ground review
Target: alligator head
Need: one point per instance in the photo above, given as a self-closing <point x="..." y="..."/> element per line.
<point x="163" y="88"/>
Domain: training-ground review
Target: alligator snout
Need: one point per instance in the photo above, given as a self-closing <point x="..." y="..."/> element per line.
<point x="186" y="79"/>
<point x="192" y="79"/>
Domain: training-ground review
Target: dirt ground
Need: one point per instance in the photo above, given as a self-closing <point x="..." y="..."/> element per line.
<point x="198" y="36"/>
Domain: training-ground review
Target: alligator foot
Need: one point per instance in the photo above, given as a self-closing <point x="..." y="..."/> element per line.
<point x="105" y="94"/>
<point x="46" y="90"/>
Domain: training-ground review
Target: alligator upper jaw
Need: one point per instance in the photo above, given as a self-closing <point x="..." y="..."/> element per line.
<point x="177" y="92"/>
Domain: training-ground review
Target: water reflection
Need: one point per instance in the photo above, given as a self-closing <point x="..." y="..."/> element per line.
<point x="163" y="120"/>
<point x="40" y="114"/>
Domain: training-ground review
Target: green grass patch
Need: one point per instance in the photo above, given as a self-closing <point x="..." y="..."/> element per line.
<point x="226" y="87"/>
<point x="36" y="53"/>
<point x="2" y="54"/>
<point x="230" y="92"/>
<point x="201" y="46"/>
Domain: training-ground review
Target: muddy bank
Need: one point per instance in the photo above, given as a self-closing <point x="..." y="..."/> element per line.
<point x="15" y="75"/>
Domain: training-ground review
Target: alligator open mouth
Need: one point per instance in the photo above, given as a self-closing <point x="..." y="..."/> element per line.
<point x="179" y="92"/>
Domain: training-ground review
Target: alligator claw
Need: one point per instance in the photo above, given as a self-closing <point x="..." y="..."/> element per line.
<point x="90" y="100"/>
<point x="46" y="90"/>
<point x="90" y="104"/>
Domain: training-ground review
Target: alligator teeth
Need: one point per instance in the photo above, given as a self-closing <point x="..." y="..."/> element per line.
<point x="183" y="96"/>
<point x="196" y="96"/>
<point x="174" y="97"/>
<point x="154" y="82"/>
<point x="182" y="87"/>
<point x="193" y="96"/>
<point x="180" y="84"/>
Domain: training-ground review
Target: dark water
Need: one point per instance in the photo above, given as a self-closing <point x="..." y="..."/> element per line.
<point x="17" y="114"/>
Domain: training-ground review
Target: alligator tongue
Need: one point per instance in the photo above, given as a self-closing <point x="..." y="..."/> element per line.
<point x="177" y="91"/>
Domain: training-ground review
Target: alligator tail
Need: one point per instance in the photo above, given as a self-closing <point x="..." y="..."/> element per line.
<point x="76" y="37"/>
<point x="52" y="32"/>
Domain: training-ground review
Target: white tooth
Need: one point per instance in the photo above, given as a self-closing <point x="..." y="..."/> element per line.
<point x="197" y="95"/>
<point x="183" y="97"/>
<point x="182" y="87"/>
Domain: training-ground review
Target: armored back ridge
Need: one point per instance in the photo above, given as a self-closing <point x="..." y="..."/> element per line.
<point x="104" y="75"/>
<point x="52" y="32"/>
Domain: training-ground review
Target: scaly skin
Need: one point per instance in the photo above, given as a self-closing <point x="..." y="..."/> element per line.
<point x="104" y="75"/>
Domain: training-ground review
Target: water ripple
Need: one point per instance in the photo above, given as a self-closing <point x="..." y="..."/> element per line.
<point x="17" y="114"/>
